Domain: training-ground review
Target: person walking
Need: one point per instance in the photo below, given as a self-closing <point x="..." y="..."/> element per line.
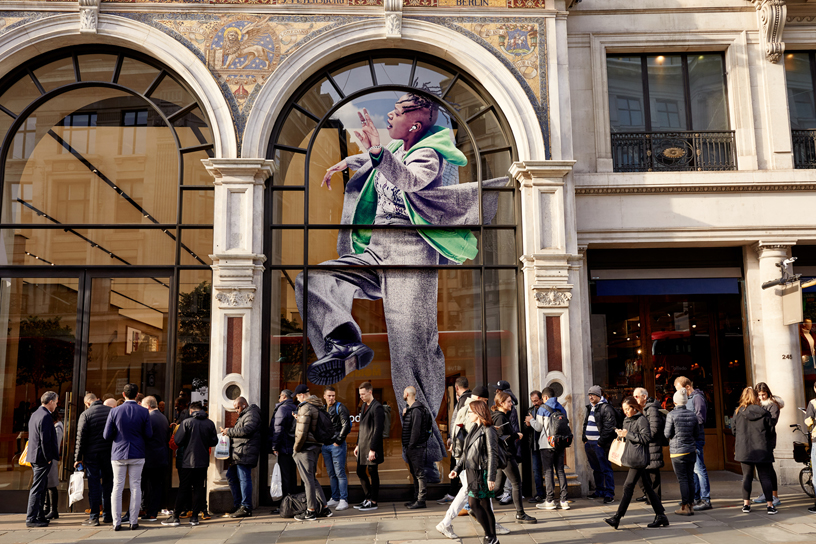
<point x="682" y="430"/>
<point x="245" y="452"/>
<point x="502" y="406"/>
<point x="598" y="434"/>
<point x="480" y="460"/>
<point x="51" y="505"/>
<point x="196" y="434"/>
<point x="93" y="450"/>
<point x="307" y="449"/>
<point x="698" y="405"/>
<point x="637" y="435"/>
<point x="281" y="440"/>
<point x="533" y="438"/>
<point x="773" y="405"/>
<point x="462" y="394"/>
<point x="128" y="428"/>
<point x="506" y="493"/>
<point x="754" y="436"/>
<point x="42" y="452"/>
<point x="334" y="455"/>
<point x="657" y="425"/>
<point x="552" y="458"/>
<point x="157" y="460"/>
<point x="369" y="449"/>
<point x="417" y="426"/>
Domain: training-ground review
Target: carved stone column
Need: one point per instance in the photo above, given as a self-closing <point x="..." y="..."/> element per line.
<point x="88" y="16"/>
<point x="772" y="17"/>
<point x="235" y="347"/>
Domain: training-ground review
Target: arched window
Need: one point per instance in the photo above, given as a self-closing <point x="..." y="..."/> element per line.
<point x="429" y="304"/>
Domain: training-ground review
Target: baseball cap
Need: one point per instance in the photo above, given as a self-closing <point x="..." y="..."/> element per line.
<point x="481" y="392"/>
<point x="301" y="389"/>
<point x="503" y="385"/>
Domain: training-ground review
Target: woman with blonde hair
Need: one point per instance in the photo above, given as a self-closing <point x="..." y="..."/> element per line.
<point x="753" y="436"/>
<point x="503" y="403"/>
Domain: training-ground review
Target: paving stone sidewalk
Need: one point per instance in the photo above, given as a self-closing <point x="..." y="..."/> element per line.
<point x="393" y="524"/>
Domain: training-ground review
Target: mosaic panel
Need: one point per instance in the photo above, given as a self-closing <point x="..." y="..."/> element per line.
<point x="9" y="20"/>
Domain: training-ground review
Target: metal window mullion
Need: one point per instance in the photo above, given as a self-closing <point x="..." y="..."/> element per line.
<point x="172" y="334"/>
<point x="75" y="60"/>
<point x="117" y="71"/>
<point x="373" y="71"/>
<point x="450" y="86"/>
<point x="35" y="81"/>
<point x="647" y="106"/>
<point x="687" y="91"/>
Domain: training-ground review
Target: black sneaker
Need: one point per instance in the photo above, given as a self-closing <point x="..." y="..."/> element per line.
<point x="772" y="510"/>
<point x="194" y="521"/>
<point x="537" y="499"/>
<point x="367" y="506"/>
<point x="171" y="522"/>
<point x="91" y="522"/>
<point x="134" y="527"/>
<point x="812" y="509"/>
<point x="242" y="512"/>
<point x="608" y="500"/>
<point x="525" y="518"/>
<point x="594" y="495"/>
<point x="644" y="498"/>
<point x="338" y="362"/>
<point x="308" y="515"/>
<point x="746" y="508"/>
<point x="36" y="524"/>
<point x="325" y="512"/>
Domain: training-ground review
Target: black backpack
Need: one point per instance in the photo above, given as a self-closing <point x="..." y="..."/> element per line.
<point x="324" y="431"/>
<point x="560" y="433"/>
<point x="292" y="505"/>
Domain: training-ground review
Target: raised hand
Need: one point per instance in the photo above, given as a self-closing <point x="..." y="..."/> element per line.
<point x="368" y="136"/>
<point x="339" y="167"/>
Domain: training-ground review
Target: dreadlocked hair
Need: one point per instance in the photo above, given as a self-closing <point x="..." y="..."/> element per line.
<point x="421" y="103"/>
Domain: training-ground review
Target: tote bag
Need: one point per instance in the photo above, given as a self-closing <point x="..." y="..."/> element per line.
<point x="616" y="451"/>
<point x="223" y="447"/>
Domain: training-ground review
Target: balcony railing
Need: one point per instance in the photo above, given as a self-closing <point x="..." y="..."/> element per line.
<point x="673" y="151"/>
<point x="804" y="148"/>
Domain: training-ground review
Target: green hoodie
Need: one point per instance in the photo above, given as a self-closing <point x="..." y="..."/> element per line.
<point x="457" y="245"/>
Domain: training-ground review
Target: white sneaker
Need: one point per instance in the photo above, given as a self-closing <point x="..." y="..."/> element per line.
<point x="502" y="530"/>
<point x="504" y="498"/>
<point x="446" y="530"/>
<point x="445" y="500"/>
<point x="332" y="503"/>
<point x="342" y="505"/>
<point x="565" y="505"/>
<point x="547" y="505"/>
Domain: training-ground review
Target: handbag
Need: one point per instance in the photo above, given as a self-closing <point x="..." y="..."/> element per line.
<point x="222" y="450"/>
<point x="616" y="451"/>
<point x="76" y="487"/>
<point x="276" y="484"/>
<point x="24" y="457"/>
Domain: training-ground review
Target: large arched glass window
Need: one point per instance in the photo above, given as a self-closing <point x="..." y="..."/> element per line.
<point x="358" y="265"/>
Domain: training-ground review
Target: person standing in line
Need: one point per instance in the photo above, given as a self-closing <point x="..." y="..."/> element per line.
<point x="657" y="425"/>
<point x="334" y="455"/>
<point x="369" y="449"/>
<point x="157" y="460"/>
<point x="110" y="403"/>
<point x="637" y="434"/>
<point x="506" y="493"/>
<point x="245" y="452"/>
<point x="42" y="452"/>
<point x="480" y="460"/>
<point x="416" y="429"/>
<point x="196" y="434"/>
<point x="552" y="458"/>
<point x="533" y="437"/>
<point x="773" y="405"/>
<point x="503" y="403"/>
<point x="682" y="430"/>
<point x="463" y="393"/>
<point x="754" y="435"/>
<point x="51" y="505"/>
<point x="599" y="432"/>
<point x="307" y="450"/>
<point x="702" y="486"/>
<point x="128" y="427"/>
<point x="94" y="452"/>
<point x="281" y="440"/>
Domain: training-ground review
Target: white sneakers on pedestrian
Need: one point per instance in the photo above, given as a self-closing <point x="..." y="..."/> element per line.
<point x="446" y="499"/>
<point x="547" y="505"/>
<point x="506" y="497"/>
<point x="332" y="503"/>
<point x="446" y="530"/>
<point x="565" y="505"/>
<point x="502" y="530"/>
<point x="342" y="505"/>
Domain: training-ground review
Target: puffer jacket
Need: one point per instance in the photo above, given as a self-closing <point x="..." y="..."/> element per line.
<point x="753" y="435"/>
<point x="657" y="428"/>
<point x="196" y="435"/>
<point x="307" y="423"/>
<point x="246" y="437"/>
<point x="412" y="435"/>
<point x="480" y="452"/>
<point x="341" y="420"/>
<point x="773" y="406"/>
<point x="638" y="436"/>
<point x="682" y="430"/>
<point x="91" y="447"/>
<point x="281" y="436"/>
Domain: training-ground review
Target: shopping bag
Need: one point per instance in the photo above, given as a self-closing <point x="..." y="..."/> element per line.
<point x="616" y="451"/>
<point x="76" y="487"/>
<point x="275" y="484"/>
<point x="222" y="449"/>
<point x="24" y="457"/>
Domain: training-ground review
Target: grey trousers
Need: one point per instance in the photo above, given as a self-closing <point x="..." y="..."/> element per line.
<point x="409" y="304"/>
<point x="133" y="469"/>
<point x="306" y="461"/>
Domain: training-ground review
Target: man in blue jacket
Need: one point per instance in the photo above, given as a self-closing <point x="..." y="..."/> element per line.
<point x="282" y="439"/>
<point x="552" y="458"/>
<point x="42" y="451"/>
<point x="128" y="427"/>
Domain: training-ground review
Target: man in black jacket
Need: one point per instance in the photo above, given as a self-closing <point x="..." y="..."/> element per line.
<point x="416" y="429"/>
<point x="533" y="437"/>
<point x="334" y="455"/>
<point x="196" y="434"/>
<point x="157" y="460"/>
<point x="282" y="439"/>
<point x="598" y="434"/>
<point x="42" y="451"/>
<point x="246" y="449"/>
<point x="94" y="452"/>
<point x="369" y="449"/>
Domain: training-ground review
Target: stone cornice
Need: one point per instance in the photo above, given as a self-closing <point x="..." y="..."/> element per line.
<point x="240" y="170"/>
<point x="685" y="189"/>
<point x="529" y="173"/>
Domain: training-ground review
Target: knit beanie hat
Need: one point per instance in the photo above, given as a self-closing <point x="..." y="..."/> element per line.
<point x="680" y="398"/>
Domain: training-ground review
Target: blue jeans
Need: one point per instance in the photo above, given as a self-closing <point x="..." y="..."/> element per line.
<point x="538" y="477"/>
<point x="240" y="482"/>
<point x="602" y="469"/>
<point x="702" y="488"/>
<point x="100" y="487"/>
<point x="335" y="459"/>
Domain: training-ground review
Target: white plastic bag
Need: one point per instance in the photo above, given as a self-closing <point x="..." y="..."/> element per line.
<point x="275" y="484"/>
<point x="76" y="487"/>
<point x="222" y="449"/>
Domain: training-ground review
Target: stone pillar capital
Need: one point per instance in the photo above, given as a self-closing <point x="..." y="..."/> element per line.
<point x="539" y="173"/>
<point x="88" y="16"/>
<point x="240" y="171"/>
<point x="773" y="249"/>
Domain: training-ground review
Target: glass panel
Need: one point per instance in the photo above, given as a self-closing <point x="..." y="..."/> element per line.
<point x="617" y="354"/>
<point x="667" y="98"/>
<point x="169" y="96"/>
<point x="431" y="78"/>
<point x="127" y="336"/>
<point x="709" y="106"/>
<point x="501" y="321"/>
<point x="137" y="75"/>
<point x="297" y="130"/>
<point x="732" y="353"/>
<point x="194" y="171"/>
<point x="86" y="247"/>
<point x="20" y="95"/>
<point x="287" y="208"/>
<point x="197" y="207"/>
<point x="467" y="173"/>
<point x="499" y="207"/>
<point x="322" y="246"/>
<point x="192" y="129"/>
<point x="286" y="335"/>
<point x="291" y="168"/>
<point x="500" y="247"/>
<point x="353" y="78"/>
<point x="496" y="165"/>
<point x="465" y="100"/>
<point x="287" y="247"/>
<point x="197" y="248"/>
<point x="487" y="131"/>
<point x="38" y="320"/>
<point x="392" y="71"/>
<point x="124" y="143"/>
<point x="800" y="91"/>
<point x="56" y="74"/>
<point x="320" y="98"/>
<point x="625" y="79"/>
<point x="807" y="343"/>
<point x="194" y="320"/>
<point x="97" y="67"/>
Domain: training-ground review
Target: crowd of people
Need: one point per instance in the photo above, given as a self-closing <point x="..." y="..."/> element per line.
<point x="133" y="439"/>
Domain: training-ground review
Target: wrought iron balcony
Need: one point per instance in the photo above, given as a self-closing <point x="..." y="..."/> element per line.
<point x="673" y="151"/>
<point x="804" y="148"/>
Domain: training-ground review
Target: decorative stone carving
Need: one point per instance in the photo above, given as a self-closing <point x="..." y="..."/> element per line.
<point x="235" y="298"/>
<point x="553" y="298"/>
<point x="393" y="18"/>
<point x="772" y="18"/>
<point x="88" y="16"/>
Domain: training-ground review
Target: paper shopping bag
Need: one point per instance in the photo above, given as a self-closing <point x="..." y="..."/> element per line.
<point x="616" y="451"/>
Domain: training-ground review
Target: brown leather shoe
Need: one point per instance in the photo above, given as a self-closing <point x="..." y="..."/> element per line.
<point x="685" y="510"/>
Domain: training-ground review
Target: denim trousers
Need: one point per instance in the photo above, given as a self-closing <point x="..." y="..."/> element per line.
<point x="132" y="468"/>
<point x="335" y="459"/>
<point x="702" y="488"/>
<point x="240" y="482"/>
<point x="100" y="488"/>
<point x="684" y="469"/>
<point x="601" y="468"/>
<point x="36" y="495"/>
<point x="538" y="475"/>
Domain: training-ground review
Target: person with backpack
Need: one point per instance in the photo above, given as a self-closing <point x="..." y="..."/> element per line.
<point x="599" y="432"/>
<point x="682" y="430"/>
<point x="308" y="444"/>
<point x="281" y="440"/>
<point x="657" y="424"/>
<point x="369" y="449"/>
<point x="417" y="426"/>
<point x="334" y="455"/>
<point x="551" y="421"/>
<point x="503" y="403"/>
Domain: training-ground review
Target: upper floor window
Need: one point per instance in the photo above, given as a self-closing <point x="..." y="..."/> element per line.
<point x="669" y="112"/>
<point x="800" y="72"/>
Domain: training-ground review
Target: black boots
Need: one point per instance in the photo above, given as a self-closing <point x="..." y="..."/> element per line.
<point x="51" y="510"/>
<point x="660" y="521"/>
<point x="613" y="522"/>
